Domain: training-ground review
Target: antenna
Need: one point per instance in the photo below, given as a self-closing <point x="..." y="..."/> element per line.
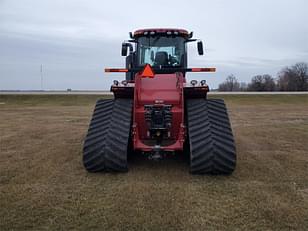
<point x="41" y="77"/>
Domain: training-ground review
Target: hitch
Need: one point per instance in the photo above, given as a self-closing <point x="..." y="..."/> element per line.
<point x="157" y="153"/>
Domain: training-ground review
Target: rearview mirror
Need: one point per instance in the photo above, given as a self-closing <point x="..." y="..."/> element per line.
<point x="200" y="47"/>
<point x="124" y="49"/>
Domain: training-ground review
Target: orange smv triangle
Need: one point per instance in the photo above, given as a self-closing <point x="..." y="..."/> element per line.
<point x="147" y="71"/>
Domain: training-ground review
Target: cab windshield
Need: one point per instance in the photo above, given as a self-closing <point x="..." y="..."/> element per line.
<point x="161" y="51"/>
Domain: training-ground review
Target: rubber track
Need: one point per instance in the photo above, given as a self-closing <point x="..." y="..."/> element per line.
<point x="94" y="144"/>
<point x="105" y="146"/>
<point x="211" y="143"/>
<point x="117" y="139"/>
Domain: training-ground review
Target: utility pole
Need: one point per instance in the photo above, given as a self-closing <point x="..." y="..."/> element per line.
<point x="41" y="77"/>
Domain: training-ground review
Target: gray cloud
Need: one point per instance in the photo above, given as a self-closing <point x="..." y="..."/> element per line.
<point x="75" y="40"/>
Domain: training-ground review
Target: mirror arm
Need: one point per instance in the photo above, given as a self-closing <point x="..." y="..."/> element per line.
<point x="131" y="35"/>
<point x="191" y="40"/>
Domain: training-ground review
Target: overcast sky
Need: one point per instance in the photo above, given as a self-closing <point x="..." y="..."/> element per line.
<point x="75" y="40"/>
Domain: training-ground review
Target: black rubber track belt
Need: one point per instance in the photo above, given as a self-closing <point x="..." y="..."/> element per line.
<point x="94" y="144"/>
<point x="211" y="143"/>
<point x="111" y="121"/>
<point x="117" y="139"/>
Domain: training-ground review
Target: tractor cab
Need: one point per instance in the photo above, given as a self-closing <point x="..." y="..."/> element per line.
<point x="164" y="49"/>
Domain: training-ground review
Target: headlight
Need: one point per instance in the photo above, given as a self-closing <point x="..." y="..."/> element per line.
<point x="194" y="82"/>
<point x="116" y="82"/>
<point x="124" y="82"/>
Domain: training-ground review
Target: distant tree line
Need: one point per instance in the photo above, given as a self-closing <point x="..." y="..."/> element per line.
<point x="294" y="78"/>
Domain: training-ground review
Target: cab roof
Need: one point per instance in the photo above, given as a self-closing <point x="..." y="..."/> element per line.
<point x="167" y="31"/>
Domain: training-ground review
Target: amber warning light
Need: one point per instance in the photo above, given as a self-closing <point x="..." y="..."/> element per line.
<point x="203" y="69"/>
<point x="115" y="70"/>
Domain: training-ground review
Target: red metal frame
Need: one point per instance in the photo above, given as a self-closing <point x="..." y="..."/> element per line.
<point x="166" y="89"/>
<point x="162" y="89"/>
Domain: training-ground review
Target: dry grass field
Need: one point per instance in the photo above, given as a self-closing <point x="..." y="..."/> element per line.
<point x="43" y="185"/>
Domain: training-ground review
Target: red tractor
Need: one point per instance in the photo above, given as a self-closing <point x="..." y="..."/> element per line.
<point x="156" y="112"/>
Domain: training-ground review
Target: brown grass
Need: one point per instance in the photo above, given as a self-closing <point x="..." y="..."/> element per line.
<point x="43" y="185"/>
